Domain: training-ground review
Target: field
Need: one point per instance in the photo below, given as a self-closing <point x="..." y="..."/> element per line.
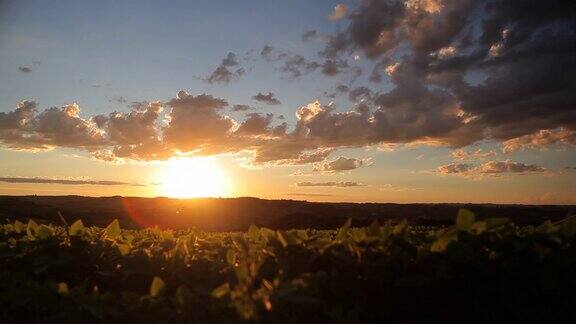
<point x="488" y="270"/>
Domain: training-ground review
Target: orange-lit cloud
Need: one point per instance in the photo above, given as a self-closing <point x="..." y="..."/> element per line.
<point x="339" y="12"/>
<point x="339" y="165"/>
<point x="491" y="168"/>
<point x="341" y="184"/>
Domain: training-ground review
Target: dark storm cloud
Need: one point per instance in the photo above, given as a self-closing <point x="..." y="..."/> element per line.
<point x="359" y="93"/>
<point x="67" y="181"/>
<point x="521" y="53"/>
<point x="228" y="70"/>
<point x="268" y="98"/>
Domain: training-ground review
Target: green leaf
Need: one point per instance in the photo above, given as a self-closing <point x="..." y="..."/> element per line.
<point x="496" y="222"/>
<point x="547" y="228"/>
<point x="113" y="230"/>
<point x="400" y="227"/>
<point x="77" y="228"/>
<point x="157" y="287"/>
<point x="221" y="291"/>
<point x="479" y="227"/>
<point x="31" y="228"/>
<point x="231" y="257"/>
<point x="358" y="234"/>
<point x="44" y="232"/>
<point x="19" y="227"/>
<point x="344" y="230"/>
<point x="568" y="227"/>
<point x="183" y="295"/>
<point x="374" y="229"/>
<point x="281" y="236"/>
<point x="464" y="220"/>
<point x="253" y="232"/>
<point x="124" y="248"/>
<point x="443" y="241"/>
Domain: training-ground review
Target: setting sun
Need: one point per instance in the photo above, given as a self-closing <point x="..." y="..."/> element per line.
<point x="193" y="178"/>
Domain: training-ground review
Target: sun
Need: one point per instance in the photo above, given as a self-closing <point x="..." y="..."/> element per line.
<point x="193" y="178"/>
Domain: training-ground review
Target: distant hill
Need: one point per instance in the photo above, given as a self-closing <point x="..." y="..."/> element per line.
<point x="232" y="214"/>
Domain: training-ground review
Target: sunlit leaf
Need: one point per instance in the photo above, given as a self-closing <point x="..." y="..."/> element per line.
<point x="568" y="227"/>
<point x="374" y="229"/>
<point x="400" y="227"/>
<point x="63" y="289"/>
<point x="343" y="231"/>
<point x="495" y="222"/>
<point x="281" y="236"/>
<point x="44" y="232"/>
<point x="113" y="230"/>
<point x="464" y="220"/>
<point x="231" y="257"/>
<point x="157" y="287"/>
<point x="183" y="295"/>
<point x="443" y="241"/>
<point x="31" y="228"/>
<point x="77" y="228"/>
<point x="19" y="227"/>
<point x="253" y="232"/>
<point x="123" y="248"/>
<point x="221" y="291"/>
<point x="479" y="227"/>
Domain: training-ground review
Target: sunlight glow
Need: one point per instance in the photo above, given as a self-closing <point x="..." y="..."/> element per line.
<point x="193" y="178"/>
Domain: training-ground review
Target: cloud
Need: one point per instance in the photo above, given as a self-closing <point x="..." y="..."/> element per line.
<point x="266" y="53"/>
<point x="24" y="129"/>
<point x="256" y="124"/>
<point x="455" y="168"/>
<point x="479" y="154"/>
<point x="341" y="184"/>
<point x="491" y="168"/>
<point x="269" y="98"/>
<point x="228" y="70"/>
<point x="339" y="165"/>
<point x="302" y="194"/>
<point x="67" y="181"/>
<point x="296" y="65"/>
<point x="506" y="74"/>
<point x="241" y="108"/>
<point x="24" y="69"/>
<point x="195" y="124"/>
<point x="309" y="35"/>
<point x="391" y="187"/>
<point x="497" y="167"/>
<point x="540" y="140"/>
<point x="339" y="12"/>
<point x="359" y="93"/>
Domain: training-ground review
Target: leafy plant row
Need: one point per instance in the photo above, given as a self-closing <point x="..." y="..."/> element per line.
<point x="475" y="271"/>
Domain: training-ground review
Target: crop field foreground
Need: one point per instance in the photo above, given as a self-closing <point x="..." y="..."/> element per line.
<point x="475" y="271"/>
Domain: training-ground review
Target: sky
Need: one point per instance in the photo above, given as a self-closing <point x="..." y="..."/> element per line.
<point x="359" y="101"/>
